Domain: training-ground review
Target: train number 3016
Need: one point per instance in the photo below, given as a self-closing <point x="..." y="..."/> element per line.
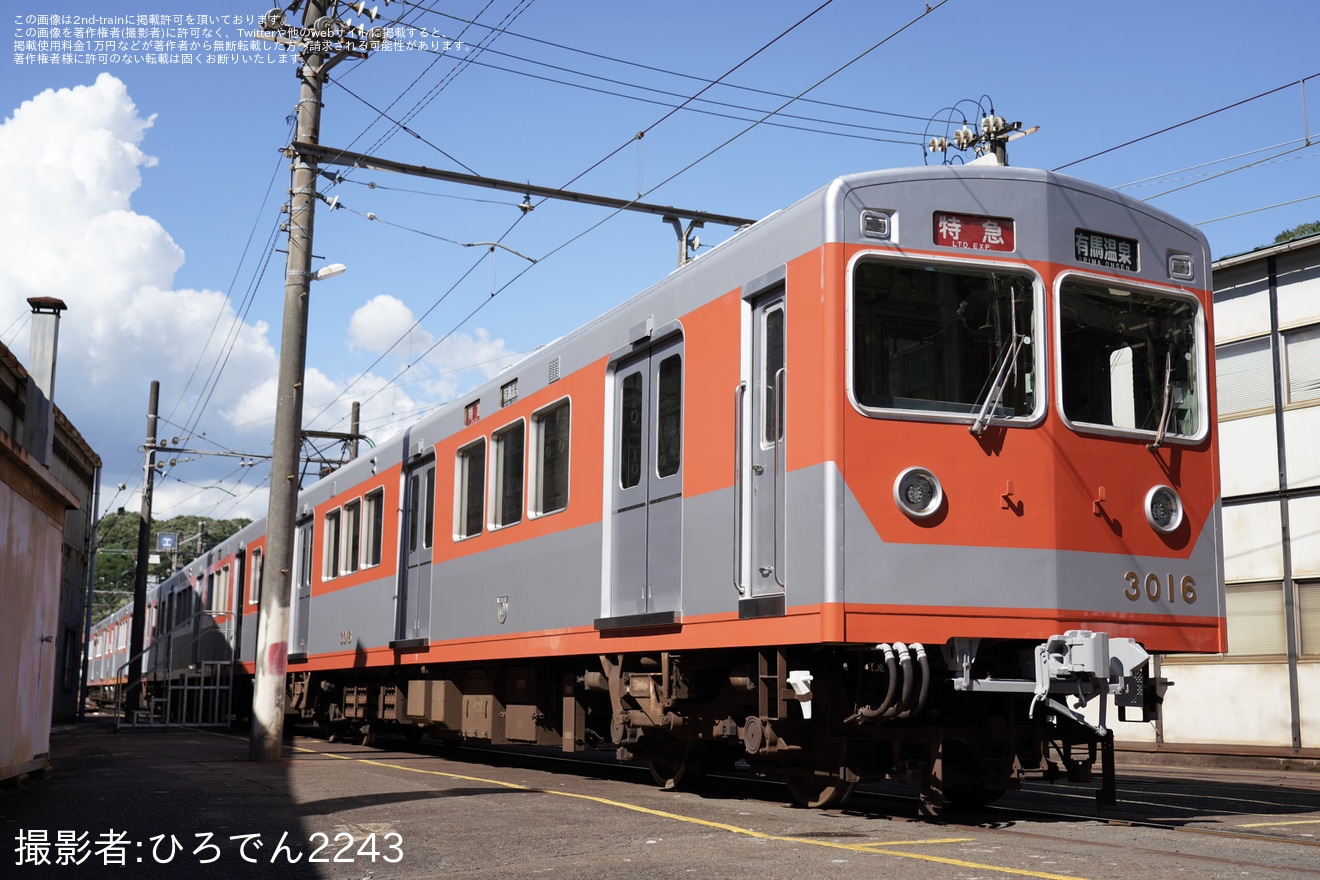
<point x="1152" y="586"/>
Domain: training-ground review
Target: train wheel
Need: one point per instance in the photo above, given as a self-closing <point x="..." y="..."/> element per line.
<point x="818" y="790"/>
<point x="677" y="763"/>
<point x="971" y="796"/>
<point x="668" y="773"/>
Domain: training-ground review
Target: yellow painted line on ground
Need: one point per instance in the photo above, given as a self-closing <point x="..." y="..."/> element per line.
<point x="732" y="829"/>
<point x="1271" y="824"/>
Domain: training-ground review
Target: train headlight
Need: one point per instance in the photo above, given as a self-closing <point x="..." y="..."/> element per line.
<point x="1164" y="509"/>
<point x="918" y="493"/>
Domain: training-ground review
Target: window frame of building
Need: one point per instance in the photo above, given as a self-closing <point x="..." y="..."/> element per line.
<point x="1308" y="617"/>
<point x="1267" y="634"/>
<point x="1247" y="389"/>
<point x="1301" y="366"/>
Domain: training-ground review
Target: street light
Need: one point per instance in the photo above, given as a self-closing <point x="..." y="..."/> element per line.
<point x="329" y="271"/>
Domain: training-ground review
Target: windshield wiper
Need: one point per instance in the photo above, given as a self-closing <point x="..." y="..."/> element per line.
<point x="1167" y="410"/>
<point x="1004" y="367"/>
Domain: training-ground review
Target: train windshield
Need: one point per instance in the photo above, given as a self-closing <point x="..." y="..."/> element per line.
<point x="943" y="339"/>
<point x="1129" y="359"/>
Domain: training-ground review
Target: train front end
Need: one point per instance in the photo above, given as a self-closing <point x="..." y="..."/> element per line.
<point x="1029" y="465"/>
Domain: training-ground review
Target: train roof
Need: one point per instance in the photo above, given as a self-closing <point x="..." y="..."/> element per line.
<point x="754" y="254"/>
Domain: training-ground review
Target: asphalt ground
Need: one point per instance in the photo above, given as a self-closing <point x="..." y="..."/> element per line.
<point x="166" y="803"/>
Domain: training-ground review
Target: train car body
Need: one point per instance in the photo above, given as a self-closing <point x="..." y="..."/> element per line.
<point x="191" y="635"/>
<point x="867" y="490"/>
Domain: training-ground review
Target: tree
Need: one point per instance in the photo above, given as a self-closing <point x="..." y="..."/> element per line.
<point x="1297" y="232"/>
<point x="116" y="558"/>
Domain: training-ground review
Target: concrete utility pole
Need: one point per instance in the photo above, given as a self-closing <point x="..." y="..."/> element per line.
<point x="273" y="621"/>
<point x="138" y="635"/>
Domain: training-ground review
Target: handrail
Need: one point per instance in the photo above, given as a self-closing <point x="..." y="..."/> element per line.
<point x="780" y="462"/>
<point x="119" y="690"/>
<point x="739" y="398"/>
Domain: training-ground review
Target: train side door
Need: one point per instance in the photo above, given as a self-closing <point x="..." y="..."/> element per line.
<point x="764" y="455"/>
<point x="301" y="612"/>
<point x="414" y="604"/>
<point x="647" y="484"/>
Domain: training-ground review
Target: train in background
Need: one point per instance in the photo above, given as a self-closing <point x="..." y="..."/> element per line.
<point x="890" y="484"/>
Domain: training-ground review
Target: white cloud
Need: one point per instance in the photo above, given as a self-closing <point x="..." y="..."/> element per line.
<point x="383" y="321"/>
<point x="70" y="163"/>
<point x="385" y="324"/>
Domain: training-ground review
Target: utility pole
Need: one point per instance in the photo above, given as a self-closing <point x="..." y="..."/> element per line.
<point x="138" y="633"/>
<point x="273" y="620"/>
<point x="319" y="35"/>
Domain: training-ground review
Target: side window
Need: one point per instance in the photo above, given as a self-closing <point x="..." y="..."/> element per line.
<point x="550" y="431"/>
<point x="254" y="578"/>
<point x="429" y="520"/>
<point x="352" y="536"/>
<point x="330" y="553"/>
<point x="773" y="410"/>
<point x="375" y="525"/>
<point x="220" y="591"/>
<point x="414" y="527"/>
<point x="507" y="494"/>
<point x="669" y="411"/>
<point x="469" y="516"/>
<point x="630" y="435"/>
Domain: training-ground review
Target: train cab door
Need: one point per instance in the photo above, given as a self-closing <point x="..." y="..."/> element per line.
<point x="414" y="603"/>
<point x="647" y="484"/>
<point x="763" y="471"/>
<point x="300" y="615"/>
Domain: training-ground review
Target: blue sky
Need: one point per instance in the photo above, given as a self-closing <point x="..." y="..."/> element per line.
<point x="147" y="196"/>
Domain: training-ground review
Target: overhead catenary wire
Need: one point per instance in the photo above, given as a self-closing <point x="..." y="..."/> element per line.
<point x="929" y="9"/>
<point x="472" y="268"/>
<point x="676" y="73"/>
<point x="1167" y="175"/>
<point x="1258" y="210"/>
<point x="1225" y="172"/>
<point x="685" y="169"/>
<point x="1177" y="125"/>
<point x="914" y="136"/>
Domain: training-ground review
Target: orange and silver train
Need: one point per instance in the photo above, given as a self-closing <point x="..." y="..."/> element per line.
<point x="872" y="489"/>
